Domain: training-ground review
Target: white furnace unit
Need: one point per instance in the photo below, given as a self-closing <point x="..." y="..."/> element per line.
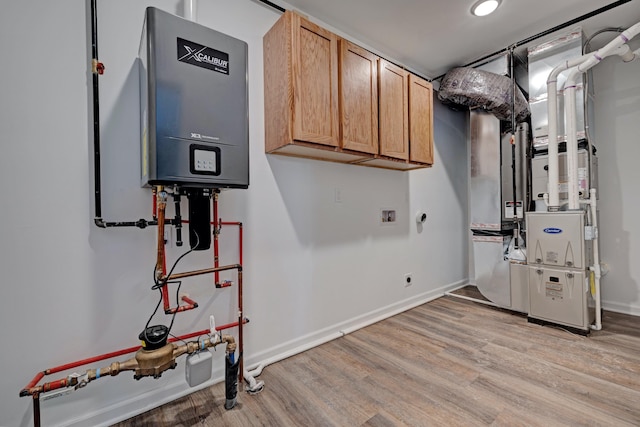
<point x="560" y="253"/>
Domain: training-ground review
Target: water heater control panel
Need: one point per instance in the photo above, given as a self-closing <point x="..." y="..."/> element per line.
<point x="205" y="160"/>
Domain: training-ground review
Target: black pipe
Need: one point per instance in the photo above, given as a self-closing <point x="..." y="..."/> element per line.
<point x="273" y="5"/>
<point x="549" y="31"/>
<point x="96" y="113"/>
<point x="513" y="146"/>
<point x="177" y="220"/>
<point x="96" y="70"/>
<point x="36" y="410"/>
<point x="199" y="219"/>
<point x="231" y="381"/>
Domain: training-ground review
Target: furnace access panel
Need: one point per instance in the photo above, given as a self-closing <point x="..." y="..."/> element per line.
<point x="194" y="98"/>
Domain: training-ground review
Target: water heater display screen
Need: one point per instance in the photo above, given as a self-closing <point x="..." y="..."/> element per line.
<point x="203" y="56"/>
<point x="205" y="160"/>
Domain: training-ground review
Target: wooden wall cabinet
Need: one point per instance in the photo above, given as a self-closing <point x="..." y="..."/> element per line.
<point x="301" y="91"/>
<point x="358" y="89"/>
<point x="420" y="120"/>
<point x="406" y="120"/>
<point x="327" y="98"/>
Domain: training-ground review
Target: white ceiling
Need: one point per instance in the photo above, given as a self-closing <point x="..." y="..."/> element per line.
<point x="431" y="36"/>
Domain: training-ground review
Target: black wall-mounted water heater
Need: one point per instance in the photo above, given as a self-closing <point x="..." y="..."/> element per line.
<point x="193" y="87"/>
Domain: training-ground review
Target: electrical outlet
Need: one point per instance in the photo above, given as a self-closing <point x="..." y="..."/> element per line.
<point x="337" y="195"/>
<point x="408" y="280"/>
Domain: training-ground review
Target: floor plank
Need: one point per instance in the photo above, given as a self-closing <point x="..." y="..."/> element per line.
<point x="447" y="362"/>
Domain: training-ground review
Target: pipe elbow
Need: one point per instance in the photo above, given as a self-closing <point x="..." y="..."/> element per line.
<point x="572" y="78"/>
<point x="628" y="57"/>
<point x="597" y="271"/>
<point x="231" y="343"/>
<point x="625" y="52"/>
<point x="100" y="222"/>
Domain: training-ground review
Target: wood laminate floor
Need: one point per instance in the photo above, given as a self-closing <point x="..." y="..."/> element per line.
<point x="448" y="362"/>
<point x="470" y="291"/>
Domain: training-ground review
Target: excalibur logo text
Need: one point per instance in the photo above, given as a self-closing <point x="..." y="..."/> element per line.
<point x="203" y="56"/>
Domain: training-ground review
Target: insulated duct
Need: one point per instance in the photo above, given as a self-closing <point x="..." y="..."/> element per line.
<point x="474" y="88"/>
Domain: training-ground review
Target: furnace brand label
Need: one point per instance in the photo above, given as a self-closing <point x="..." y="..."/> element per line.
<point x="552" y="230"/>
<point x="203" y="56"/>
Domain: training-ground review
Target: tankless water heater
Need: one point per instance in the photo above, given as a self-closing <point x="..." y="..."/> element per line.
<point x="193" y="87"/>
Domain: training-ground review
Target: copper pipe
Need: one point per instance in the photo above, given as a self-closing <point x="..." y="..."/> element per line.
<point x="206" y="331"/>
<point x="181" y="308"/>
<point x="34" y="381"/>
<point x="166" y="304"/>
<point x="154" y="204"/>
<point x="204" y="271"/>
<point x="188" y="300"/>
<point x="240" y="237"/>
<point x="128" y="365"/>
<point x="225" y="284"/>
<point x="161" y="206"/>
<point x="186" y="221"/>
<point x="240" y="337"/>
<point x="192" y="347"/>
<point x="216" y="232"/>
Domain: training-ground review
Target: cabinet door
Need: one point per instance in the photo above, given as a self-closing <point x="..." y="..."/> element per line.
<point x="393" y="111"/>
<point x="315" y="83"/>
<point x="420" y="120"/>
<point x="358" y="98"/>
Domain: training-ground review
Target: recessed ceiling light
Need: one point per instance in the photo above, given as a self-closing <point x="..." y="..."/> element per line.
<point x="484" y="7"/>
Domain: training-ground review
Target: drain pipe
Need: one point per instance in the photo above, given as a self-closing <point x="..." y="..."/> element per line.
<point x="595" y="268"/>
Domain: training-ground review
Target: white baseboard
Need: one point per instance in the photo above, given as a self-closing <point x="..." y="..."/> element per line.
<point x="121" y="411"/>
<point x="309" y="341"/>
<point x="621" y="308"/>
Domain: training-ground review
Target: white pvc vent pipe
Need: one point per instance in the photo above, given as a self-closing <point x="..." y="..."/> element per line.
<point x="627" y="55"/>
<point x="584" y="63"/>
<point x="190" y="10"/>
<point x="552" y="108"/>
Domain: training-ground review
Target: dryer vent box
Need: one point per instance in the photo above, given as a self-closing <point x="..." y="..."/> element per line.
<point x="193" y="87"/>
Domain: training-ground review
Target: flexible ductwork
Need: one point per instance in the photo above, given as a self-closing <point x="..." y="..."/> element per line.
<point x="475" y="88"/>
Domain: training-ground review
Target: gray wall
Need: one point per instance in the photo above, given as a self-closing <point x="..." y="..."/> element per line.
<point x="313" y="267"/>
<point x="617" y="132"/>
